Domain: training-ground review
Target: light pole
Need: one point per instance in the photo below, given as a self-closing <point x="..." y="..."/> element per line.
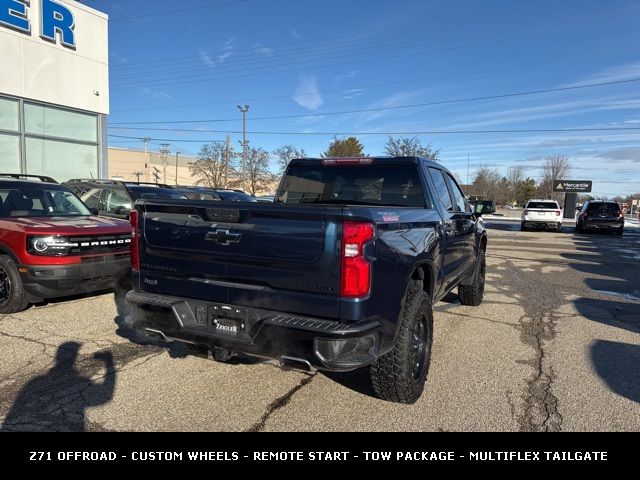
<point x="244" y="111"/>
<point x="145" y="140"/>
<point x="164" y="158"/>
<point x="177" y="153"/>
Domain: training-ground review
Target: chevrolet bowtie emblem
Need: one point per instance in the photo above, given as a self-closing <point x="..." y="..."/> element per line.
<point x="222" y="237"/>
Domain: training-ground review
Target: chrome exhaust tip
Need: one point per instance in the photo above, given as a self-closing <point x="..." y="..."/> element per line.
<point x="296" y="363"/>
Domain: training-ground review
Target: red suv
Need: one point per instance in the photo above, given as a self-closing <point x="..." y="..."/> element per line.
<point x="52" y="245"/>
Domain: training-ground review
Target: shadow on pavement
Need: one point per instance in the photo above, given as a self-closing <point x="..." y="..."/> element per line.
<point x="356" y="380"/>
<point x="617" y="364"/>
<point x="57" y="400"/>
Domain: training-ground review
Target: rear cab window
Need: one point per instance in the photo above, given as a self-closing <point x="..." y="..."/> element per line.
<point x="348" y="184"/>
<point x="542" y="206"/>
<point x="608" y="207"/>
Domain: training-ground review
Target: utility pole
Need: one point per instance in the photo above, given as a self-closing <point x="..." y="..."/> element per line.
<point x="145" y="140"/>
<point x="177" y="153"/>
<point x="164" y="158"/>
<point x="244" y="142"/>
<point x="156" y="175"/>
<point x="137" y="174"/>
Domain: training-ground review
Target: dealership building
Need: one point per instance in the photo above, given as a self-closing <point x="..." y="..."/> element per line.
<point x="54" y="89"/>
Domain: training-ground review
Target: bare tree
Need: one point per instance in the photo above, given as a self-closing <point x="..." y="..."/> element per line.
<point x="286" y="154"/>
<point x="486" y="181"/>
<point x="410" y="147"/>
<point x="555" y="167"/>
<point x="258" y="177"/>
<point x="214" y="165"/>
<point x="515" y="177"/>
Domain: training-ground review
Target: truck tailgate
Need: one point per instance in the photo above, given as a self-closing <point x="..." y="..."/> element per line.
<point x="262" y="256"/>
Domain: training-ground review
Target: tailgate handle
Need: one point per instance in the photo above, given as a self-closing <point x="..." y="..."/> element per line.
<point x="223" y="236"/>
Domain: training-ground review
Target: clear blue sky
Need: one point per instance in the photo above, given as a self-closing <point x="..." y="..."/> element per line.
<point x="315" y="58"/>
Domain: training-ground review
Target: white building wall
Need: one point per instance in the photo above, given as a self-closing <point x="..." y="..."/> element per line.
<point x="36" y="69"/>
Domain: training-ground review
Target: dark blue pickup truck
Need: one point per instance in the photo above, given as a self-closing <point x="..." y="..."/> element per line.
<point x="340" y="272"/>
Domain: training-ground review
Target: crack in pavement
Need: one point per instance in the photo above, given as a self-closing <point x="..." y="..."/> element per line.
<point x="540" y="406"/>
<point x="279" y="403"/>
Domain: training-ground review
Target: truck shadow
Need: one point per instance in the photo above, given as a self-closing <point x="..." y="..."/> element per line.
<point x="356" y="380"/>
<point x="617" y="364"/>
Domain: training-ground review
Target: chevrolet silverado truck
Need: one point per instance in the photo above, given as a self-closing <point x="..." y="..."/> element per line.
<point x="339" y="273"/>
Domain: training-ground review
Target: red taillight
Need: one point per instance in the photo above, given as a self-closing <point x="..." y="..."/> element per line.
<point x="526" y="212"/>
<point x="356" y="270"/>
<point x="557" y="213"/>
<point x="135" y="254"/>
<point x="620" y="215"/>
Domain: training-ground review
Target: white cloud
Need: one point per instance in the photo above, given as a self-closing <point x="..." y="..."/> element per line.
<point x="205" y="58"/>
<point x="262" y="50"/>
<point x="309" y="119"/>
<point x="391" y="101"/>
<point x="616" y="73"/>
<point x="119" y="58"/>
<point x="344" y="76"/>
<point x="352" y="93"/>
<point x="153" y="93"/>
<point x="307" y="94"/>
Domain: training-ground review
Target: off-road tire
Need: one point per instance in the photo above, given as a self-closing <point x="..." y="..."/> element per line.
<point x="619" y="231"/>
<point x="473" y="294"/>
<point x="17" y="300"/>
<point x="400" y="375"/>
<point x="559" y="228"/>
<point x="579" y="229"/>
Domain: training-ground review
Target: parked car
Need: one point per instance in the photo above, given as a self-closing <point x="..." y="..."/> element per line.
<point x="600" y="215"/>
<point x="52" y="245"/>
<point x="542" y="214"/>
<point x="339" y="273"/>
<point x="234" y="195"/>
<point x="198" y="193"/>
<point x="115" y="198"/>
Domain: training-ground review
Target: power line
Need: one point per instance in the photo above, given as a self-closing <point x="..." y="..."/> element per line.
<point x="167" y="139"/>
<point x="396" y="107"/>
<point x="422" y="132"/>
<point x="180" y="10"/>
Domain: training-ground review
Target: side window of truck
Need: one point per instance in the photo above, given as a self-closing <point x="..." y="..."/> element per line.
<point x="442" y="191"/>
<point x="461" y="202"/>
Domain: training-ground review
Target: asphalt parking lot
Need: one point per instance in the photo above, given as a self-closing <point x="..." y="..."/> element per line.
<point x="555" y="346"/>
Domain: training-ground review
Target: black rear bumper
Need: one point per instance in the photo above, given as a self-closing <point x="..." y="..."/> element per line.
<point x="51" y="281"/>
<point x="320" y="343"/>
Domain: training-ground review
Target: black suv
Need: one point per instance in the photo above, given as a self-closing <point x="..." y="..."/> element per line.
<point x="198" y="193"/>
<point x="600" y="215"/>
<point x="230" y="195"/>
<point x="114" y="198"/>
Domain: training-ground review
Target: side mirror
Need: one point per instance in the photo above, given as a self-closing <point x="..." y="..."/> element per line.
<point x="122" y="210"/>
<point x="484" y="207"/>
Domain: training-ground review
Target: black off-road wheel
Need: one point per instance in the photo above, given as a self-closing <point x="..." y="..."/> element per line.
<point x="400" y="375"/>
<point x="473" y="294"/>
<point x="13" y="298"/>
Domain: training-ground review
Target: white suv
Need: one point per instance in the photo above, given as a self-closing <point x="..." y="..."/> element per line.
<point x="542" y="214"/>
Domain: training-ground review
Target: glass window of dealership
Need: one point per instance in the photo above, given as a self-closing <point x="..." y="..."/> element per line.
<point x="37" y="138"/>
